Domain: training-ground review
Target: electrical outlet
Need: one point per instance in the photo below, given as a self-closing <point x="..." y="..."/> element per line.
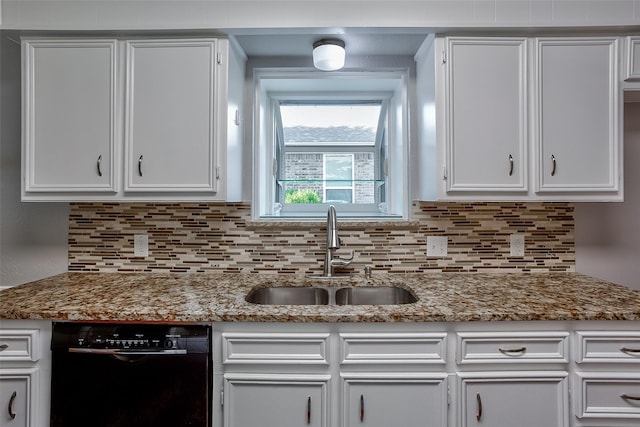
<point x="141" y="245"/>
<point x="437" y="246"/>
<point x="517" y="245"/>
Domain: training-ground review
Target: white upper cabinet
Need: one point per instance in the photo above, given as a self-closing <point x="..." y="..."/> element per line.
<point x="513" y="111"/>
<point x="486" y="109"/>
<point x="577" y="115"/>
<point x="69" y="116"/>
<point x="171" y="115"/>
<point x="134" y="120"/>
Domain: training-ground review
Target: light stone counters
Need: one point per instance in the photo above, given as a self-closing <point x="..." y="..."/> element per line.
<point x="442" y="297"/>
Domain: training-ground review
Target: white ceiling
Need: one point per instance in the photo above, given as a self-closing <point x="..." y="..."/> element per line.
<point x="358" y="42"/>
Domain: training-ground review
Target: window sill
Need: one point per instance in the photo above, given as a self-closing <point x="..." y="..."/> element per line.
<point x="343" y="224"/>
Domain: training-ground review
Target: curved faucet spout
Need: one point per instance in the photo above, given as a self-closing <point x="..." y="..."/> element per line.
<point x="333" y="241"/>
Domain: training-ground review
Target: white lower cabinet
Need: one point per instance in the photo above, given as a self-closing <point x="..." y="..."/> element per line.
<point x="523" y="399"/>
<point x="25" y="366"/>
<point x="381" y="400"/>
<point x="18" y="397"/>
<point x="276" y="400"/>
<point x="431" y="374"/>
<point x="607" y="379"/>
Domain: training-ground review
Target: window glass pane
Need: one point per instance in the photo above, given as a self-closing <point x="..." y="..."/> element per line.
<point x="341" y="124"/>
<point x="337" y="195"/>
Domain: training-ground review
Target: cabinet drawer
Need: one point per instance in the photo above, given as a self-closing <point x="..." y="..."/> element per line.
<point x="512" y="347"/>
<point x="607" y="347"/>
<point x="393" y="348"/>
<point x="309" y="348"/>
<point x="19" y="345"/>
<point x="611" y="395"/>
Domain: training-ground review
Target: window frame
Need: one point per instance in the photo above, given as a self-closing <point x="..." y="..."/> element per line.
<point x="268" y="154"/>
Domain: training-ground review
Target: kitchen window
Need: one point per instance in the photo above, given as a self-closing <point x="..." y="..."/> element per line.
<point x="330" y="139"/>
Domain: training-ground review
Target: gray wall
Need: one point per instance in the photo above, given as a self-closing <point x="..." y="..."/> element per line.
<point x="33" y="236"/>
<point x="608" y="234"/>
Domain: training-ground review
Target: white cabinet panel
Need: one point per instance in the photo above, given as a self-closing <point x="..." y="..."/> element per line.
<point x="607" y="347"/>
<point x="407" y="400"/>
<point x="274" y="348"/>
<point x="19" y="345"/>
<point x="69" y="123"/>
<point x="608" y="395"/>
<point x="18" y="397"/>
<point x="577" y="126"/>
<point x="632" y="71"/>
<point x="170" y="115"/>
<point x="512" y="347"/>
<point x="396" y="348"/>
<point x="255" y="400"/>
<point x="486" y="109"/>
<point x="523" y="399"/>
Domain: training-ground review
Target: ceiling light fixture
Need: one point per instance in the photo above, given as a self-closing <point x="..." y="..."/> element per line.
<point x="328" y="54"/>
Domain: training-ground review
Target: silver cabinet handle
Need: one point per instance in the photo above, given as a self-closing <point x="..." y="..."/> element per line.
<point x="510" y="165"/>
<point x="629" y="397"/>
<point x="512" y="351"/>
<point x="479" y="404"/>
<point x="309" y="410"/>
<point x="140" y="165"/>
<point x="630" y="350"/>
<point x="553" y="163"/>
<point x="99" y="165"/>
<point x="3" y="347"/>
<point x="12" y="414"/>
<point x="362" y="408"/>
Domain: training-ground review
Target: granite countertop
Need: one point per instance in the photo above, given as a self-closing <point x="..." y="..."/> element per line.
<point x="442" y="297"/>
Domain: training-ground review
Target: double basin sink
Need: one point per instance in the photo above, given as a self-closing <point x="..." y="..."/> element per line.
<point x="327" y="295"/>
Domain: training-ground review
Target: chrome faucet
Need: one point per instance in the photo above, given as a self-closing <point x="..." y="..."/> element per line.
<point x="333" y="243"/>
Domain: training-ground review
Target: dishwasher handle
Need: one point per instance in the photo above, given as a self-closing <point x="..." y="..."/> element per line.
<point x="117" y="352"/>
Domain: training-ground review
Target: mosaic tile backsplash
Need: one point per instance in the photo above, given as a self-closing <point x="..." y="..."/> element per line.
<point x="201" y="237"/>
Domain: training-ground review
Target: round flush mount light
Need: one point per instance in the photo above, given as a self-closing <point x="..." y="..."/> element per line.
<point x="328" y="54"/>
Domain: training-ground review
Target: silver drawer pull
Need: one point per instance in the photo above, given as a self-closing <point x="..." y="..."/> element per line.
<point x="629" y="397"/>
<point x="479" y="409"/>
<point x="3" y="347"/>
<point x="630" y="350"/>
<point x="553" y="163"/>
<point x="140" y="165"/>
<point x="513" y="351"/>
<point x="99" y="165"/>
<point x="510" y="165"/>
<point x="12" y="414"/>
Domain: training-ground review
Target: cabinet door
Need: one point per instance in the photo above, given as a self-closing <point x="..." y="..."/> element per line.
<point x="531" y="399"/>
<point x="407" y="400"/>
<point x="486" y="109"/>
<point x="69" y="95"/>
<point x="16" y="397"/>
<point x="170" y="115"/>
<point x="577" y="132"/>
<point x="255" y="400"/>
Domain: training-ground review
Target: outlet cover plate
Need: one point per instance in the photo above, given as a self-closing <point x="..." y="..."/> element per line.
<point x="141" y="245"/>
<point x="516" y="247"/>
<point x="437" y="246"/>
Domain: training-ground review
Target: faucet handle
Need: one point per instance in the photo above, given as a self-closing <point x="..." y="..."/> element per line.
<point x="342" y="262"/>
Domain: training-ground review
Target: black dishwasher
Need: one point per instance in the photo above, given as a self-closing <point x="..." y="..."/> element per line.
<point x="126" y="375"/>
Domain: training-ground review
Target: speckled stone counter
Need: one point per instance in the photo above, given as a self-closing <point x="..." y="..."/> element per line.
<point x="442" y="297"/>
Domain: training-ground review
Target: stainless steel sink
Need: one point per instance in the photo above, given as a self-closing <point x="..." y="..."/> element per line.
<point x="378" y="295"/>
<point x="289" y="295"/>
<point x="327" y="295"/>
